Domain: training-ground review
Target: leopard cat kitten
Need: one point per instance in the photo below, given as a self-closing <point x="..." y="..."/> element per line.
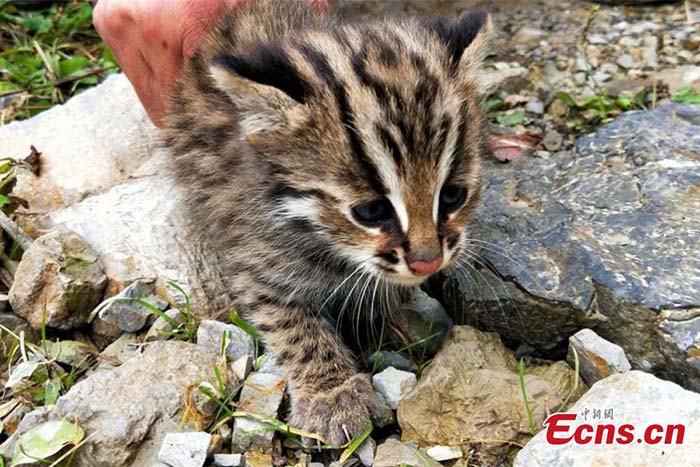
<point x="333" y="166"/>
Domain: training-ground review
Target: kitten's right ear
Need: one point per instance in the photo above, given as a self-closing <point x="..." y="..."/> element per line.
<point x="264" y="87"/>
<point x="465" y="37"/>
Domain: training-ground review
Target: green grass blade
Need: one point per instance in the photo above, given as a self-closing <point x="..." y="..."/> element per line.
<point x="355" y="444"/>
<point x="155" y="310"/>
<point x="176" y="286"/>
<point x="530" y="418"/>
<point x="243" y="324"/>
<point x="576" y="381"/>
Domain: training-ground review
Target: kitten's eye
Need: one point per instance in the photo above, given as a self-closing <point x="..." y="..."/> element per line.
<point x="452" y="197"/>
<point x="374" y="212"/>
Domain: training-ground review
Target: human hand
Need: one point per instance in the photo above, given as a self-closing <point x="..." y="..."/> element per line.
<point x="152" y="39"/>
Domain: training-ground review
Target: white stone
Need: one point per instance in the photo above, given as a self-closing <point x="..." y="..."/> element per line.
<point x="241" y="367"/>
<point x="598" y="358"/>
<point x="535" y="106"/>
<point x="229" y="460"/>
<point x="638" y="399"/>
<point x="366" y="452"/>
<point x="268" y="364"/>
<point x="444" y="453"/>
<point x="393" y="453"/>
<point x="187" y="449"/>
<point x="393" y="384"/>
<point x="103" y="177"/>
<point x="626" y="61"/>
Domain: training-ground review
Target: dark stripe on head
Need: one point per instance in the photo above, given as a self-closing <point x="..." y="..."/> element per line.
<point x="459" y="153"/>
<point x="441" y="137"/>
<point x="325" y="72"/>
<point x="282" y="190"/>
<point x="268" y="65"/>
<point x="380" y="89"/>
<point x="391" y="145"/>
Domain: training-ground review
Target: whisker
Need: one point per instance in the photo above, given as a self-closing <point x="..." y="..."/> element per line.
<point x="499" y="250"/>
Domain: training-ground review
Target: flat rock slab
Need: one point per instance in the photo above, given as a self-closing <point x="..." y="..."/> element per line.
<point x="119" y="408"/>
<point x="471" y="392"/>
<point x="635" y="398"/>
<point x="605" y="238"/>
<point x="88" y="145"/>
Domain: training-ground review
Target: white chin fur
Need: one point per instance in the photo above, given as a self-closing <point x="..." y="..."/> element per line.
<point x="410" y="281"/>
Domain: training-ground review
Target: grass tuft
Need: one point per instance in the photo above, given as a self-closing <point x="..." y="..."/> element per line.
<point x="47" y="56"/>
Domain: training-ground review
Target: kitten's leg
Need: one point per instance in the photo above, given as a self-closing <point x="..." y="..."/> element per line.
<point x="328" y="395"/>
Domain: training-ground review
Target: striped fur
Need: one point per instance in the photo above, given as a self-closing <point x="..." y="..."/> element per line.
<point x="284" y="123"/>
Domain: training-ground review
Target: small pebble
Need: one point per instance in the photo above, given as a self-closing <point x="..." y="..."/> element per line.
<point x="393" y="384"/>
<point x="444" y="453"/>
<point x="229" y="460"/>
<point x="187" y="449"/>
<point x="242" y="366"/>
<point x="366" y="452"/>
<point x="535" y="107"/>
<point x="552" y="140"/>
<point x="597" y="357"/>
<point x="626" y="61"/>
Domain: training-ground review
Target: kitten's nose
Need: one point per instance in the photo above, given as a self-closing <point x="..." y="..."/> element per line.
<point x="425" y="268"/>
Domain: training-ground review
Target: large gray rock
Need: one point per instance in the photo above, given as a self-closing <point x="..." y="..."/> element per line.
<point x="102" y="176"/>
<point x="139" y="399"/>
<point x="638" y="399"/>
<point x="88" y="145"/>
<point x="58" y="282"/>
<point x="605" y="238"/>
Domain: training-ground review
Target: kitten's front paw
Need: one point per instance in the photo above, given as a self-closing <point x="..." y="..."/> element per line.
<point x="338" y="414"/>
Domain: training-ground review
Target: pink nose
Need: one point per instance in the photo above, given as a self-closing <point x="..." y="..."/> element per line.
<point x="423" y="268"/>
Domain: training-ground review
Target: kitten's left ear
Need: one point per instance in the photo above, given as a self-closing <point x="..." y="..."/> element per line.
<point x="466" y="37"/>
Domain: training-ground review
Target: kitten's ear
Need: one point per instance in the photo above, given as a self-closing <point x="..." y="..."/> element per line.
<point x="263" y="86"/>
<point x="466" y="37"/>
